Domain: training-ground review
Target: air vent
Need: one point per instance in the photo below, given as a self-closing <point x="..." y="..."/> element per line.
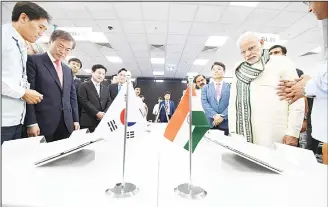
<point x="105" y="45"/>
<point x="308" y="53"/>
<point x="210" y="49"/>
<point x="157" y="48"/>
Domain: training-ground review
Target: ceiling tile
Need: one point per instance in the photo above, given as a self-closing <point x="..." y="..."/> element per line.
<point x="307" y="22"/>
<point x="155" y="11"/>
<point x="128" y="11"/>
<point x="176" y="39"/>
<point x="141" y="54"/>
<point x="209" y="13"/>
<point x="133" y="27"/>
<point x="297" y="7"/>
<point x="182" y="12"/>
<point x="136" y="38"/>
<point x="235" y="14"/>
<point x="55" y="13"/>
<point x="285" y="19"/>
<point x="137" y="47"/>
<point x="174" y="48"/>
<point x="101" y="10"/>
<point x="88" y="23"/>
<point x="156" y="27"/>
<point x="103" y="24"/>
<point x="273" y="5"/>
<point x="157" y="39"/>
<point x="179" y="27"/>
<point x="197" y="40"/>
<point x="203" y="29"/>
<point x="262" y="16"/>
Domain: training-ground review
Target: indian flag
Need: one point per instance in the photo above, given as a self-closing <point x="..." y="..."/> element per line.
<point x="177" y="129"/>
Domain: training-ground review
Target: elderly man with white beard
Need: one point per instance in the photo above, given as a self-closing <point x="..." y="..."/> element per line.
<point x="255" y="110"/>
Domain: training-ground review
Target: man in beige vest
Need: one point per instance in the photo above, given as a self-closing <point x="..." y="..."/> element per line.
<point x="255" y="110"/>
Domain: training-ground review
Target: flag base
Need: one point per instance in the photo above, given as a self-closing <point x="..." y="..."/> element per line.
<point x="120" y="191"/>
<point x="189" y="191"/>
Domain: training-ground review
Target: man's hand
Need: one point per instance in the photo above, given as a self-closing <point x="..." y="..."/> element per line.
<point x="32" y="97"/>
<point x="304" y="126"/>
<point x="33" y="131"/>
<point x="217" y="120"/>
<point x="76" y="125"/>
<point x="292" y="90"/>
<point x="289" y="140"/>
<point x="100" y="115"/>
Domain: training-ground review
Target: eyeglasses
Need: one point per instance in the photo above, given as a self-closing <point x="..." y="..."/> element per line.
<point x="250" y="49"/>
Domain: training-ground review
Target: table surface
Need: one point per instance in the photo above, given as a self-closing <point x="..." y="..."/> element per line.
<point x="156" y="166"/>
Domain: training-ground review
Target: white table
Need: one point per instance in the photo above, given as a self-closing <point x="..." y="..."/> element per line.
<point x="156" y="166"/>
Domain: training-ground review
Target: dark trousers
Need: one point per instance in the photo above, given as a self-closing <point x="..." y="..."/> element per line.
<point x="11" y="133"/>
<point x="165" y="119"/>
<point x="311" y="143"/>
<point x="91" y="128"/>
<point x="60" y="133"/>
<point x="226" y="131"/>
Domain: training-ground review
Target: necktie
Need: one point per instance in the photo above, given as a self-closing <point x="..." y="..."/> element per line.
<point x="59" y="71"/>
<point x="119" y="87"/>
<point x="166" y="106"/>
<point x="218" y="91"/>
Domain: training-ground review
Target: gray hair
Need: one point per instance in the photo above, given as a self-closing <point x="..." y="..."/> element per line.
<point x="247" y="35"/>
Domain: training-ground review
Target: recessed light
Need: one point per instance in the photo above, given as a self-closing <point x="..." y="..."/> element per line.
<point x="247" y="4"/>
<point x="98" y="37"/>
<point x="159" y="81"/>
<point x="200" y="62"/>
<point x="184" y="81"/>
<point x="215" y="41"/>
<point x="114" y="59"/>
<point x="157" y="60"/>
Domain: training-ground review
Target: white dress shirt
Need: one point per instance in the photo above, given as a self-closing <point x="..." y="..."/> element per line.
<point x="13" y="62"/>
<point x="97" y="86"/>
<point x="318" y="87"/>
<point x="156" y="109"/>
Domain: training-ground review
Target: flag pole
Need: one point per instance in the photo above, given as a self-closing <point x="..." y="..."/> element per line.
<point x="188" y="190"/>
<point x="124" y="189"/>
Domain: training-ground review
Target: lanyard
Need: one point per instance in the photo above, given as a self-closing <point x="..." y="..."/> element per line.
<point x="22" y="61"/>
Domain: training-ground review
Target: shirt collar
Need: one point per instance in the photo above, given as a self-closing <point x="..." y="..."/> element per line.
<point x="17" y="36"/>
<point x="95" y="83"/>
<point x="215" y="83"/>
<point x="51" y="57"/>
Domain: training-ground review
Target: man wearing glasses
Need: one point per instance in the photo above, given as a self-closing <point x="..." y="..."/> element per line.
<point x="29" y="22"/>
<point x="57" y="115"/>
<point x="255" y="110"/>
<point x="316" y="87"/>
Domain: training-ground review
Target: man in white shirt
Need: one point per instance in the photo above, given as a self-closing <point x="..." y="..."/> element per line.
<point x="255" y="110"/>
<point x="29" y="22"/>
<point x="317" y="86"/>
<point x="156" y="107"/>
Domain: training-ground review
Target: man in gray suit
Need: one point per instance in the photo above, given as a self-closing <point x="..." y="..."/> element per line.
<point x="215" y="99"/>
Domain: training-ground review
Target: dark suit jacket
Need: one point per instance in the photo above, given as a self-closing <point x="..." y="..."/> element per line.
<point x="212" y="107"/>
<point x="77" y="82"/>
<point x="113" y="90"/>
<point x="43" y="77"/>
<point x="162" y="113"/>
<point x="91" y="103"/>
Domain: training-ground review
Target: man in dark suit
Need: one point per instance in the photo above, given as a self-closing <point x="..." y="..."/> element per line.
<point x="57" y="115"/>
<point x="116" y="87"/>
<point x="75" y="64"/>
<point x="94" y="98"/>
<point x="215" y="99"/>
<point x="167" y="108"/>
